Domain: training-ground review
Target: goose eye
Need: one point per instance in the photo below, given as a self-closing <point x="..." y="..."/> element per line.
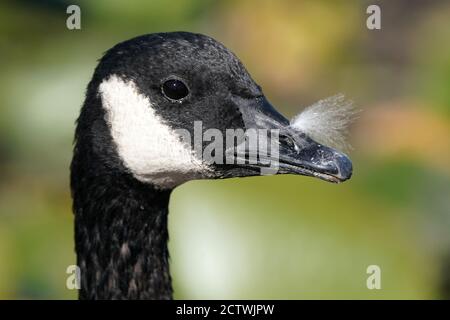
<point x="175" y="89"/>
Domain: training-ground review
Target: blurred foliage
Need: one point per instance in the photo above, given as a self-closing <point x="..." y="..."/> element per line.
<point x="272" y="237"/>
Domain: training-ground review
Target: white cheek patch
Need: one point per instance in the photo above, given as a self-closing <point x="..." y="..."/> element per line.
<point x="327" y="121"/>
<point x="149" y="148"/>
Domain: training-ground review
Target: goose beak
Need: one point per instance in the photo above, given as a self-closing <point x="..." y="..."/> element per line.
<point x="296" y="152"/>
<point x="313" y="159"/>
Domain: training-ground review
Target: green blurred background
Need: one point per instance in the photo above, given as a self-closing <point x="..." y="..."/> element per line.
<point x="272" y="237"/>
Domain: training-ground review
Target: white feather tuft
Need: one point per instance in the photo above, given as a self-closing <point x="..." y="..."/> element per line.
<point x="327" y="121"/>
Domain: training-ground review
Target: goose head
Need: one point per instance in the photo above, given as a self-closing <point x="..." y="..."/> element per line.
<point x="181" y="106"/>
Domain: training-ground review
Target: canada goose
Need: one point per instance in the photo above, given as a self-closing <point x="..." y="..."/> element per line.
<point x="128" y="155"/>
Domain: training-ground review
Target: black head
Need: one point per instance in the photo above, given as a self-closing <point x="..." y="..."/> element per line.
<point x="173" y="107"/>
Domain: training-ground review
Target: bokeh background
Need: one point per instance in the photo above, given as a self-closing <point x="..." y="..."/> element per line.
<point x="272" y="237"/>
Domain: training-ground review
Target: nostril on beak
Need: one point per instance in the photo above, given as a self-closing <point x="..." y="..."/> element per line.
<point x="289" y="142"/>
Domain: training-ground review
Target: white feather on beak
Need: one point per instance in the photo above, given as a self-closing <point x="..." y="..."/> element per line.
<point x="327" y="121"/>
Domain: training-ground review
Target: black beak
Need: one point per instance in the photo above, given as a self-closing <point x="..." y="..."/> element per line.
<point x="313" y="159"/>
<point x="295" y="153"/>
